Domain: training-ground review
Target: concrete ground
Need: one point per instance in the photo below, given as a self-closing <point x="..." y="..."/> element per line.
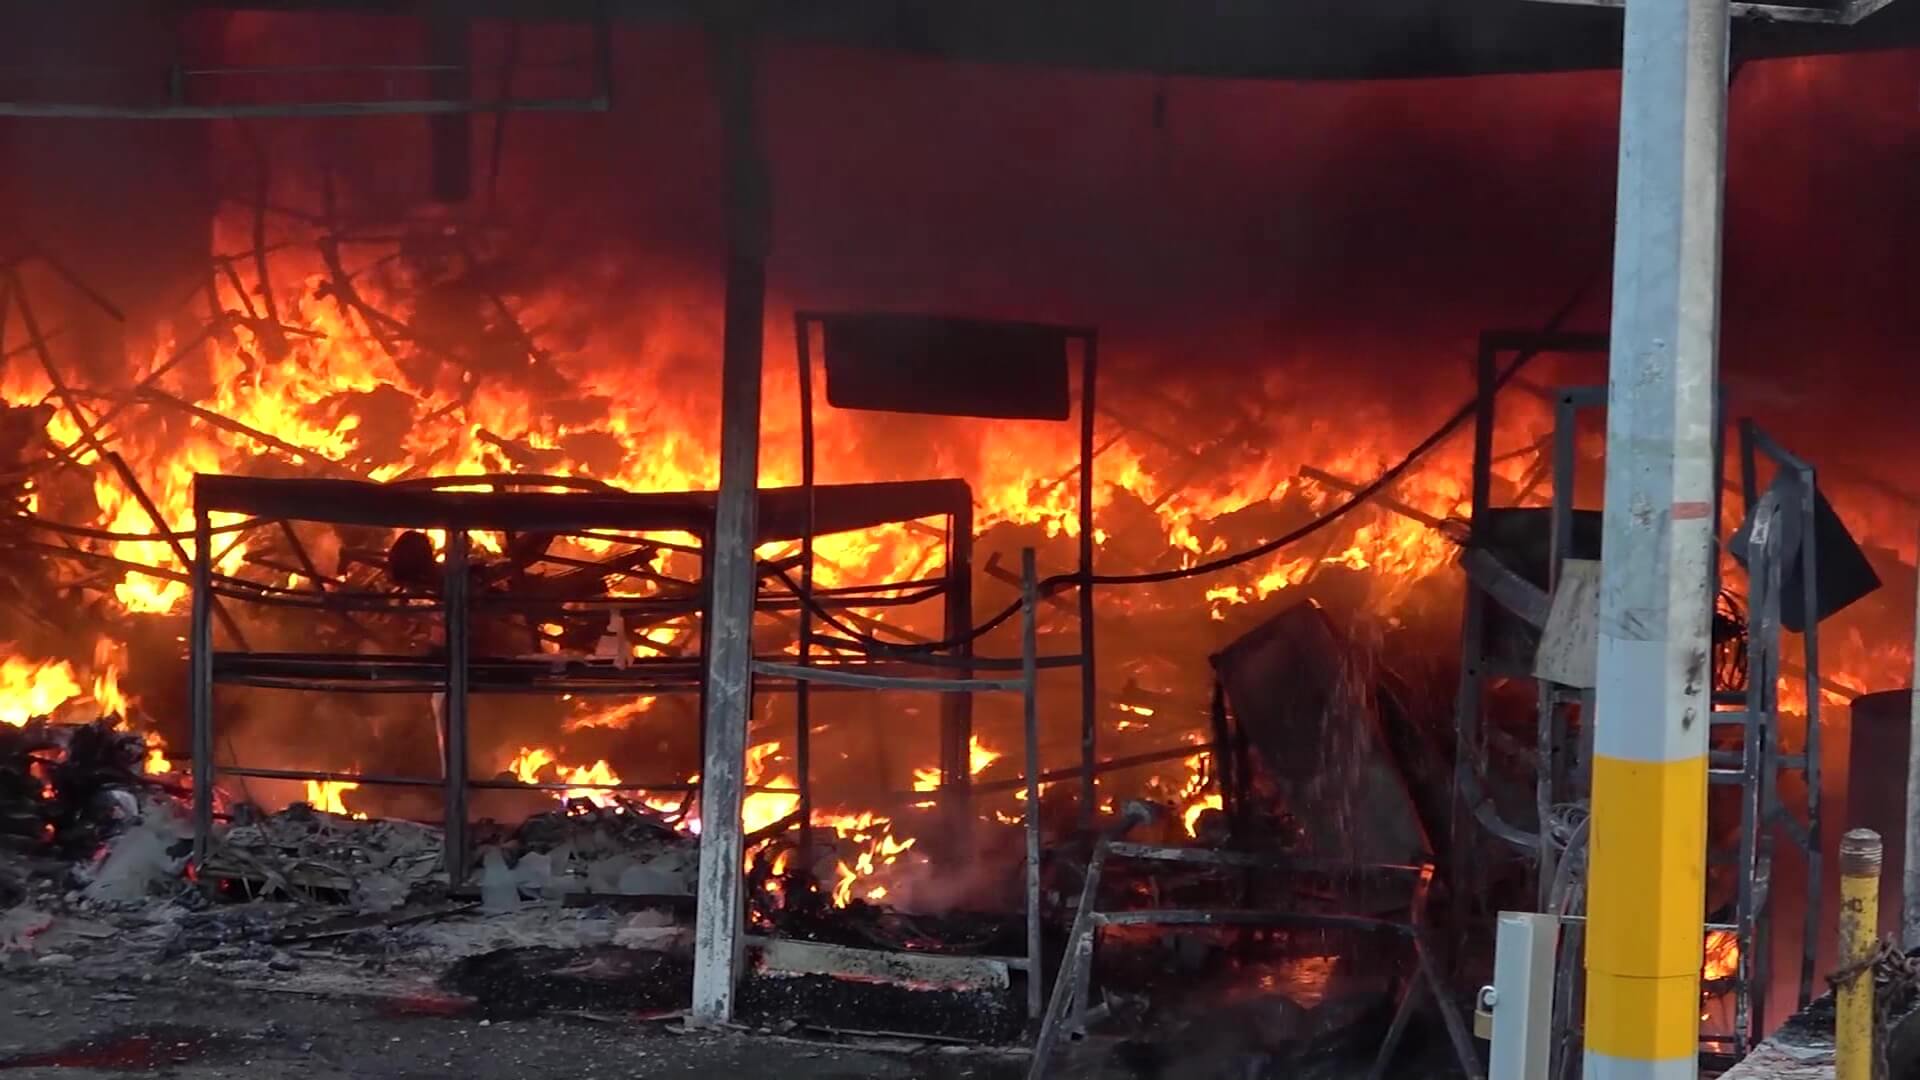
<point x="62" y="1025"/>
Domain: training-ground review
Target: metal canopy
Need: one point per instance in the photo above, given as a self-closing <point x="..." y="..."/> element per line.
<point x="1275" y="39"/>
<point x="1829" y="12"/>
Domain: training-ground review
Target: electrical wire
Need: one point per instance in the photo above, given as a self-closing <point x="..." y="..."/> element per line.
<point x="1059" y="582"/>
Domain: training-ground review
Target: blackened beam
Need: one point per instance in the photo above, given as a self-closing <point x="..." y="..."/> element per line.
<point x="866" y="681"/>
<point x="841" y="508"/>
<point x="300" y="454"/>
<point x="1000" y="573"/>
<point x="1395" y="505"/>
<point x="1132" y="761"/>
<point x="1206" y="917"/>
<point x="1258" y="860"/>
<point x="291" y="110"/>
<point x="1513" y="592"/>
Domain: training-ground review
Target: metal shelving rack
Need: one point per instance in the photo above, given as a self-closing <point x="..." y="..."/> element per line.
<point x="957" y="708"/>
<point x="1026" y="683"/>
<point x="448" y="505"/>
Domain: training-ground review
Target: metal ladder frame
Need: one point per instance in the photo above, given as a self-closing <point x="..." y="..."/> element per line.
<point x="1758" y="766"/>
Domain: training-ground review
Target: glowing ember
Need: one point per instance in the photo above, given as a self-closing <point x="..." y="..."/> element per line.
<point x="598" y="773"/>
<point x="527" y="765"/>
<point x="1722" y="956"/>
<point x="539" y="765"/>
<point x="1191" y="816"/>
<point x="761" y="809"/>
<point x="325" y="795"/>
<point x="979" y="756"/>
<point x="106" y="679"/>
<point x="156" y="763"/>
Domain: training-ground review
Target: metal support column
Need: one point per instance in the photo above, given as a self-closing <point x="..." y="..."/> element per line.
<point x="455" y="601"/>
<point x="200" y="683"/>
<point x="803" y="690"/>
<point x="1648" y="861"/>
<point x="1030" y="716"/>
<point x="729" y="675"/>
<point x="956" y="710"/>
<point x="1089" y="676"/>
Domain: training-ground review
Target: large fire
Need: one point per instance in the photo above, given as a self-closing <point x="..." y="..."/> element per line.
<point x="298" y="378"/>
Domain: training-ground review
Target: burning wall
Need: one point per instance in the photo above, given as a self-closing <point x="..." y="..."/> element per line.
<point x="1284" y="276"/>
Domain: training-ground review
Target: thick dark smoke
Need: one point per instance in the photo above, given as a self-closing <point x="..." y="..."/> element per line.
<point x="1373" y="228"/>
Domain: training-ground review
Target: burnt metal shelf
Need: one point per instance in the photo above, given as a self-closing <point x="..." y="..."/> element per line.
<point x="508" y="504"/>
<point x="810" y="672"/>
<point x="568" y="675"/>
<point x="1067" y="1008"/>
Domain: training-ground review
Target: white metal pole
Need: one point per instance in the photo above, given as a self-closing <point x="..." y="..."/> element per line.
<point x="1648" y="861"/>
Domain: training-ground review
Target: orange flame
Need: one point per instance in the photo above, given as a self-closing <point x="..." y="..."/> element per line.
<point x="325" y="796"/>
<point x="1722" y="955"/>
<point x="156" y="763"/>
<point x="29" y="689"/>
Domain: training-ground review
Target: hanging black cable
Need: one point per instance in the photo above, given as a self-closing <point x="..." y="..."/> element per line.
<point x="1059" y="582"/>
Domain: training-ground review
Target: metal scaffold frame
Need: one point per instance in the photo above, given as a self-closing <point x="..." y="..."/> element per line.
<point x="589" y="510"/>
<point x="1027" y="684"/>
<point x="1746" y="754"/>
<point x="1760" y="762"/>
<point x="956" y="729"/>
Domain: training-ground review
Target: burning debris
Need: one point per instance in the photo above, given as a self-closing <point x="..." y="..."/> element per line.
<point x="71" y="788"/>
<point x="405" y="363"/>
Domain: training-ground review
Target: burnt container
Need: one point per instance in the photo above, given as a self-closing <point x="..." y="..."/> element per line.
<point x="1877" y="785"/>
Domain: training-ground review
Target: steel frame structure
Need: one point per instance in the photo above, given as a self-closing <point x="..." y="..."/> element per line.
<point x="1067" y="1007"/>
<point x="596" y="512"/>
<point x="956" y="728"/>
<point x="1758" y="766"/>
<point x="965" y="682"/>
<point x="1477" y="664"/>
<point x="450" y="80"/>
<point x="1755" y="768"/>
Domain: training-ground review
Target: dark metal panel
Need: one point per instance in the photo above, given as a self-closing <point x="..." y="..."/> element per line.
<point x="946" y="367"/>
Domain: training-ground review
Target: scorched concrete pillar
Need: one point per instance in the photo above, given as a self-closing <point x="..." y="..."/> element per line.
<point x="1648" y="869"/>
<point x="730" y="558"/>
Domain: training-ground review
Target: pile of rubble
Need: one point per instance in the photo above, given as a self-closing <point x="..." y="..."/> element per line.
<point x="309" y="854"/>
<point x="621" y="853"/>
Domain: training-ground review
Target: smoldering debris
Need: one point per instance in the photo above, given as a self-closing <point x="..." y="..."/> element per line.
<point x="68" y="788"/>
<point x="146" y="857"/>
<point x="307" y="853"/>
<point x="525" y="981"/>
<point x="586" y="850"/>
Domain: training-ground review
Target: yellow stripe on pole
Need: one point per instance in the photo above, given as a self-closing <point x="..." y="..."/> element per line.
<point x="1643" y="1019"/>
<point x="1649" y="867"/>
<point x="1645" y="927"/>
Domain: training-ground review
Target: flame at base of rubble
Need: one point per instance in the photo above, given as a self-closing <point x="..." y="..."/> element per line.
<point x="325" y="796"/>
